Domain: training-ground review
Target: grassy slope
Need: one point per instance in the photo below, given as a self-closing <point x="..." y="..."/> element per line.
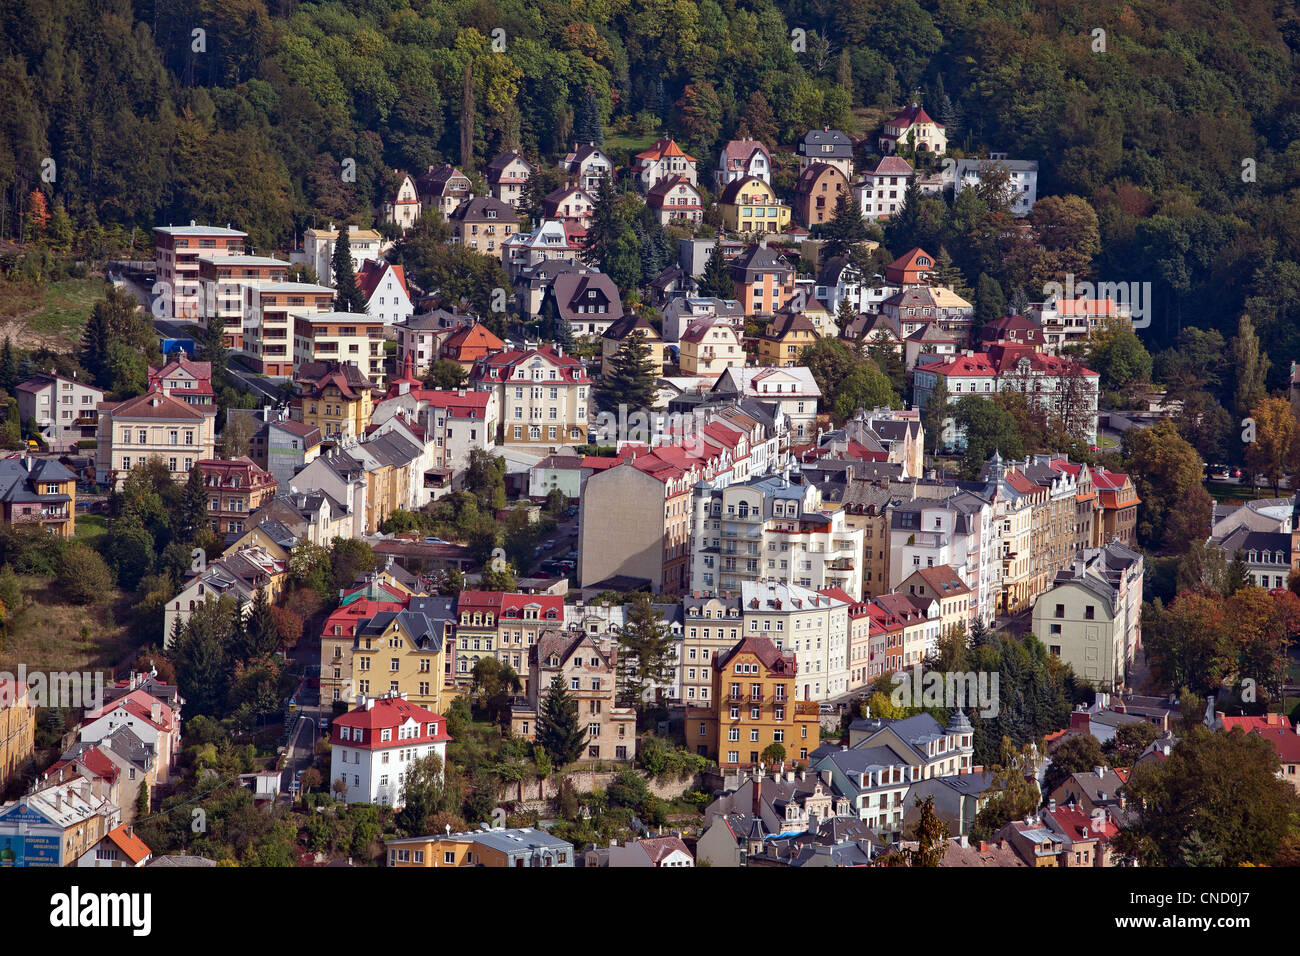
<point x="50" y="314"/>
<point x="48" y="633"/>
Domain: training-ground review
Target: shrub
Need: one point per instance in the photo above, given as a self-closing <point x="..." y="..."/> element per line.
<point x="83" y="575"/>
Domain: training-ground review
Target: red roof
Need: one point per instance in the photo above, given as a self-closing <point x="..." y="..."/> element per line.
<point x="1080" y="825"/>
<point x="662" y="148"/>
<point x="124" y="839"/>
<point x="139" y="704"/>
<point x="598" y="463"/>
<point x="1284" y="740"/>
<point x="372" y="270"/>
<point x="913" y="114"/>
<point x="388" y="713"/>
<point x="94" y="760"/>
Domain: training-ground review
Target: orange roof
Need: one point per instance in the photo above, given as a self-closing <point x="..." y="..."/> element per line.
<point x="125" y="839"/>
<point x="662" y="148"/>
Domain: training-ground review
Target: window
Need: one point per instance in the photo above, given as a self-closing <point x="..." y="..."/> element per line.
<point x="1090" y="612"/>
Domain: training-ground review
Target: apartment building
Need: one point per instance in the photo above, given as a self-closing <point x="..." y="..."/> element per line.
<point x="769" y="529"/>
<point x="349" y="337"/>
<point x="484" y="224"/>
<point x="176" y="262"/>
<point x="503" y="625"/>
<point x="880" y="192"/>
<point x="375" y="745"/>
<point x="132" y="431"/>
<point x="494" y="848"/>
<point x="421" y="336"/>
<point x="270" y="310"/>
<point x="710" y="346"/>
<point x="754" y="706"/>
<point x="826" y="146"/>
<point x="336" y="398"/>
<point x="222" y="280"/>
<point x="943" y="597"/>
<point x="1021" y="179"/>
<point x="551" y="240"/>
<point x="238" y="575"/>
<point x="1091" y="616"/>
<point x="711" y="626"/>
<point x="382" y="641"/>
<point x="793" y="390"/>
<point x="764" y="281"/>
<point x="17" y="728"/>
<point x="1118" y="500"/>
<point x="816" y="194"/>
<point x="54" y="827"/>
<point x="236" y="488"/>
<point x="543" y="394"/>
<point x="63" y="410"/>
<point x="189" y="381"/>
<point x="739" y="159"/>
<point x="812" y="623"/>
<point x="587" y="668"/>
<point x="317" y="250"/>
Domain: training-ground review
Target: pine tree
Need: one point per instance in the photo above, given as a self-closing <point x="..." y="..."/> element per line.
<point x="945" y="273"/>
<point x="8" y="367"/>
<point x="645" y="652"/>
<point x="630" y="379"/>
<point x="558" y="726"/>
<point x="587" y="125"/>
<point x="553" y="326"/>
<point x="347" y="297"/>
<point x="94" y="345"/>
<point x="142" y="801"/>
<point x="846" y="228"/>
<point x="716" y="280"/>
<point x="990" y="304"/>
<point x="194" y="506"/>
<point x="901" y="230"/>
<point x="263" y="635"/>
<point x="934" y="414"/>
<point x="1237" y="576"/>
<point x="213" y="349"/>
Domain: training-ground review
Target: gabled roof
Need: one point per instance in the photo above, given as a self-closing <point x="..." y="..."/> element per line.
<point x="775" y="660"/>
<point x="815" y="139"/>
<point x="485" y="209"/>
<point x="731" y="192"/>
<point x="372" y="271"/>
<point x="132" y="846"/>
<point x="913" y="114"/>
<point x="153" y="405"/>
<point x="664" y="148"/>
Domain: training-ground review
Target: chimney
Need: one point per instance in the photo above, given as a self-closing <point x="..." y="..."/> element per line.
<point x="1051" y="805"/>
<point x="758" y="792"/>
<point x="1101" y="772"/>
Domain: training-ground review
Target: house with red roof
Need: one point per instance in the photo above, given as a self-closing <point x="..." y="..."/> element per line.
<point x="740" y="159"/>
<point x="668" y="851"/>
<point x="189" y="381"/>
<point x="912" y="268"/>
<point x="569" y="203"/>
<point x="1088" y="834"/>
<point x="120" y="847"/>
<point x="235" y="488"/>
<point x="150" y="719"/>
<point x="915" y="131"/>
<point x="467" y="345"/>
<point x="375" y="745"/>
<point x="661" y="161"/>
<point x="542" y="394"/>
<point x="675" y="198"/>
<point x="383" y="286"/>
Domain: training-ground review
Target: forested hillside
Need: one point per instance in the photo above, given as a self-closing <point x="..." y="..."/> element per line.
<point x="250" y="120"/>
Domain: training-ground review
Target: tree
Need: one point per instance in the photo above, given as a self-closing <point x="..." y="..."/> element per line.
<point x="1216" y="797"/>
<point x="1274" y="437"/>
<point x="1016" y="795"/>
<point x="427" y="790"/>
<point x="846" y="228"/>
<point x="990" y="303"/>
<point x="263" y="637"/>
<point x="1251" y="365"/>
<point x="236" y="437"/>
<point x="630" y="379"/>
<point x="193" y="516"/>
<point x="1237" y="574"/>
<point x="83" y="576"/>
<point x="350" y="558"/>
<point x="934" y="415"/>
<point x="1078" y="753"/>
<point x="611" y="241"/>
<point x="558" y="726"/>
<point x="1187" y="643"/>
<point x="716" y="281"/>
<point x="8" y="367"/>
<point x="989" y="428"/>
<point x="946" y="274"/>
<point x="587" y="125"/>
<point x="773" y="754"/>
<point x="1118" y="356"/>
<point x="931" y="835"/>
<point x="446" y="374"/>
<point x="493" y="684"/>
<point x="497" y="578"/>
<point x="1129" y="742"/>
<point x="1166" y="471"/>
<point x="646" y="651"/>
<point x="347" y="296"/>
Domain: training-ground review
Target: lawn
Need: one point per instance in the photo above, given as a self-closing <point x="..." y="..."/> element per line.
<point x="48" y="633"/>
<point x="90" y="527"/>
<point x="49" y="314"/>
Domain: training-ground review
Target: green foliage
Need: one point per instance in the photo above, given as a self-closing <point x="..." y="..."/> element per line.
<point x="989" y="429"/>
<point x="630" y="378"/>
<point x="847" y="382"/>
<point x="1077" y="753"/>
<point x="558" y="726"/>
<point x="663" y="761"/>
<point x="83" y="576"/>
<point x="647" y="652"/>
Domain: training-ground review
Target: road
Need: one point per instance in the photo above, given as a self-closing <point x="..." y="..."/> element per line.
<point x="301" y="749"/>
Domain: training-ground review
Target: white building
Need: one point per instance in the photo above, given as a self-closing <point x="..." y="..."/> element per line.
<point x="813" y="624"/>
<point x="375" y="745"/>
<point x="880" y="193"/>
<point x="1022" y="179"/>
<point x="957" y="531"/>
<point x="318" y="250"/>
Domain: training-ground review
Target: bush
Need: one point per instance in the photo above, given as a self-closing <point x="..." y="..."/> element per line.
<point x="86" y="444"/>
<point x="83" y="575"/>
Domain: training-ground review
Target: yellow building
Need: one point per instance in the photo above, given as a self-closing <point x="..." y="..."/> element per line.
<point x="750" y="205"/>
<point x="38" y="493"/>
<point x="754" y="708"/>
<point x="524" y="847"/>
<point x="382" y="642"/>
<point x="709" y="347"/>
<point x="149" y="425"/>
<point x="619" y="332"/>
<point x="784" y="339"/>
<point x="17" y="728"/>
<point x="335" y="397"/>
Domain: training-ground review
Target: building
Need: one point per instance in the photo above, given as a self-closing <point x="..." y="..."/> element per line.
<point x="238" y="575"/>
<point x="712" y="624"/>
<point x="120" y="847"/>
<point x="793" y="390"/>
<point x="828" y="146"/>
<point x="816" y="193"/>
<point x="55" y="827"/>
<point x="569" y="203"/>
<point x="914" y="130"/>
<point x="942" y="589"/>
<point x="1065" y="390"/>
<point x="814" y="624"/>
<point x="659" y="852"/>
<point x="768" y="529"/>
<point x="622" y="330"/>
<point x="784" y="338"/>
<point x="189" y="381"/>
<point x="222" y="280"/>
<point x="589" y="302"/>
<point x="1117" y="500"/>
<point x="352" y="338"/>
<point x="1091" y="616"/>
<point x="661" y="161"/>
<point x="551" y="240"/>
<point x="290" y="447"/>
<point x="176" y="261"/>
<point x="318" y="250"/>
<point x="675" y="199"/>
<point x="38" y="493"/>
<point x="764" y="281"/>
<point x="506" y="176"/>
<point x="374" y="746"/>
<point x="679" y="314"/>
<point x="503" y="625"/>
<point x="402" y="205"/>
<point x="155" y="722"/>
<point x="1012" y="329"/>
<point x="151" y="425"/>
<point x="334" y="397"/>
<point x="483" y="224"/>
<point x="708" y="347"/>
<point x="1073" y="321"/>
<point x="443" y="188"/>
<point x="740" y="159"/>
<point x="496" y="848"/>
<point x="918" y="307"/>
<point x="754" y="707"/>
<point x="587" y="166"/>
<point x="235" y="488"/>
<point x="17" y="728"/>
<point x="542" y="394"/>
<point x="270" y="311"/>
<point x="63" y="410"/>
<point x="587" y="668"/>
<point x="881" y="191"/>
<point x="751" y="206"/>
<point x="1021" y="174"/>
<point x="383" y="286"/>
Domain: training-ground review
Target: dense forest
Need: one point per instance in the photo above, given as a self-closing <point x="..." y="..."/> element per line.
<point x="1180" y="126"/>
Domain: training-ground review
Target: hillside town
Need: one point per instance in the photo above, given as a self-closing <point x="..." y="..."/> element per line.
<point x="817" y="498"/>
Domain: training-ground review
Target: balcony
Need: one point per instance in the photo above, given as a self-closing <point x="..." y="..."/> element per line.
<point x="736" y="697"/>
<point x="756" y="698"/>
<point x="804" y="708"/>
